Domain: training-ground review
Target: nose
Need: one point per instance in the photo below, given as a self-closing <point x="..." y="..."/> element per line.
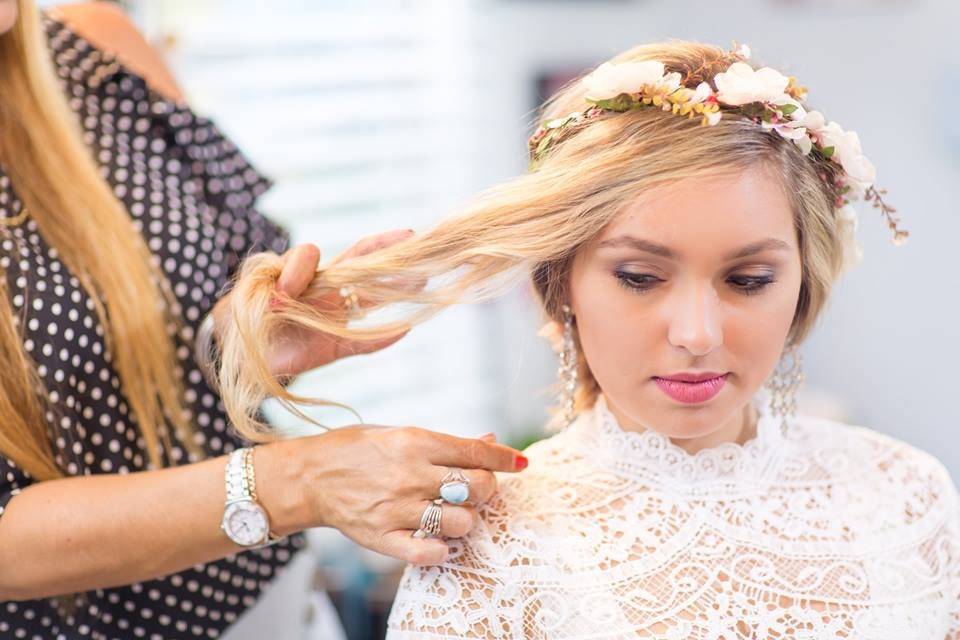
<point x="695" y="319"/>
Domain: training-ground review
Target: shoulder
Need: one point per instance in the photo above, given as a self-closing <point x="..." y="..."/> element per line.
<point x="872" y="448"/>
<point x="876" y="465"/>
<point x="107" y="27"/>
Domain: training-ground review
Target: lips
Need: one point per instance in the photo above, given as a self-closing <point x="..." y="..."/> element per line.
<point x="692" y="388"/>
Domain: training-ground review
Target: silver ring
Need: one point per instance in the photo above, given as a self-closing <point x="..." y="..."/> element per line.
<point x="455" y="487"/>
<point x="430" y="520"/>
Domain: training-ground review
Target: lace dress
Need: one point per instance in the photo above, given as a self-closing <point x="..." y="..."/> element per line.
<point x="829" y="531"/>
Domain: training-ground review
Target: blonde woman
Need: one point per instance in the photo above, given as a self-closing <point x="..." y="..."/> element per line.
<point x="685" y="219"/>
<point x="129" y="506"/>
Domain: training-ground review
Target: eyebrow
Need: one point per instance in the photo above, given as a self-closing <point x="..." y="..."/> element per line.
<point x="661" y="250"/>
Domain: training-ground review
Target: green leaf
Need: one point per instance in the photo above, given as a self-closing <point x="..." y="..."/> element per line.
<point x="827" y="152"/>
<point x="623" y="102"/>
<point x="787" y="109"/>
<point x="543" y="144"/>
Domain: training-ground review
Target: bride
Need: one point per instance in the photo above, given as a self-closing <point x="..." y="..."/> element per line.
<point x="682" y="266"/>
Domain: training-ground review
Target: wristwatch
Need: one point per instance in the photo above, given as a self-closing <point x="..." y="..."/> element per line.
<point x="245" y="521"/>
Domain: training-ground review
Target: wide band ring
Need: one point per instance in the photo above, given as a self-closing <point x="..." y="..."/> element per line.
<point x="430" y="521"/>
<point x="455" y="487"/>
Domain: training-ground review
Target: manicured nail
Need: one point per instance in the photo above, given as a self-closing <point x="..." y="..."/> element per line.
<point x="520" y="463"/>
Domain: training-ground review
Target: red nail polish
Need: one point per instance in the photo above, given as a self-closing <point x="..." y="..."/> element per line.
<point x="520" y="463"/>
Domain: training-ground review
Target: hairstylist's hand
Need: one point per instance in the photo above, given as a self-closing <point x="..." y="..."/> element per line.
<point x="373" y="483"/>
<point x="299" y="349"/>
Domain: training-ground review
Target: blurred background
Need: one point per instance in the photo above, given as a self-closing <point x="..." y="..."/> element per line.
<point x="374" y="115"/>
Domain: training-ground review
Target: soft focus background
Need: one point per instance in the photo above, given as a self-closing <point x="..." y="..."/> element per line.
<point x="380" y="115"/>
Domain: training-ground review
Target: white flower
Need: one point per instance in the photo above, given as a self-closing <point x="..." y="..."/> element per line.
<point x="741" y="84"/>
<point x="743" y="51"/>
<point x="847" y="225"/>
<point x="810" y="123"/>
<point x="610" y="80"/>
<point x="847" y="152"/>
<point x="701" y="93"/>
<point x="789" y="125"/>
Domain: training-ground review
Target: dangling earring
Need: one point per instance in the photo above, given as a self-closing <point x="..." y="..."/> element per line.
<point x="568" y="368"/>
<point x="783" y="385"/>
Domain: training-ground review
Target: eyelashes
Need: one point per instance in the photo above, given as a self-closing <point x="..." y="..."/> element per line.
<point x="644" y="282"/>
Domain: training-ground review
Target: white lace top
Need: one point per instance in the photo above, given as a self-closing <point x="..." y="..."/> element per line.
<point x="832" y="531"/>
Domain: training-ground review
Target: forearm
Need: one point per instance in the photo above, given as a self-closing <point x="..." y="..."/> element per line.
<point x="81" y="533"/>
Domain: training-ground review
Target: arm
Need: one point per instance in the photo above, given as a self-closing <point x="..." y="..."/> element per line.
<point x="87" y="532"/>
<point x="91" y="532"/>
<point x="107" y="27"/>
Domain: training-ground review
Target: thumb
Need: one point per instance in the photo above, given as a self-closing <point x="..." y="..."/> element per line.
<point x="299" y="268"/>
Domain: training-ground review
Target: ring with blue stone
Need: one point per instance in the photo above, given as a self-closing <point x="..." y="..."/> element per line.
<point x="455" y="487"/>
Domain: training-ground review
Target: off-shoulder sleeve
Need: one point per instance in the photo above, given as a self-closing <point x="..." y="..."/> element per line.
<point x="468" y="596"/>
<point x="231" y="186"/>
<point x="217" y="178"/>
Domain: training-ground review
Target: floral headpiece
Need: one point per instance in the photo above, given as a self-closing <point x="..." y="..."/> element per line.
<point x="765" y="96"/>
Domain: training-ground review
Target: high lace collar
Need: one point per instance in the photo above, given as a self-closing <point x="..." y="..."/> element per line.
<point x="654" y="457"/>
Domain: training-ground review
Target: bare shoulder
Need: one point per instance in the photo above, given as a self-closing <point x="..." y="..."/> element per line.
<point x="107" y="27"/>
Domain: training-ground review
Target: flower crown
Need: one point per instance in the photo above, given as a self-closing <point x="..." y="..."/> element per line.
<point x="764" y="96"/>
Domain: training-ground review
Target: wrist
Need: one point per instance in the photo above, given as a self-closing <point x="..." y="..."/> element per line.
<point x="280" y="486"/>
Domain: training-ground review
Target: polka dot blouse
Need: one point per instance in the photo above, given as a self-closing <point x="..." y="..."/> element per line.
<point x="191" y="193"/>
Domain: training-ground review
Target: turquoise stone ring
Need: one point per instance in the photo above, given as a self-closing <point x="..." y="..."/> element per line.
<point x="455" y="487"/>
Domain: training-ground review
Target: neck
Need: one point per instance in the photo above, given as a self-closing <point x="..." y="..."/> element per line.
<point x="740" y="428"/>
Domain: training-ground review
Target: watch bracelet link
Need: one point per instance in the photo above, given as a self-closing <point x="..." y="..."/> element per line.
<point x="242" y="484"/>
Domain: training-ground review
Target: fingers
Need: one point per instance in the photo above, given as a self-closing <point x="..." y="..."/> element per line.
<point x="420" y="551"/>
<point x="299" y="268"/>
<point x="358" y="347"/>
<point x="483" y="484"/>
<point x="374" y="243"/>
<point x="456" y="521"/>
<point x="469" y="453"/>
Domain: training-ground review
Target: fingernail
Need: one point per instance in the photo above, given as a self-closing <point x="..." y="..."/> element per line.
<point x="520" y="463"/>
<point x="488" y="437"/>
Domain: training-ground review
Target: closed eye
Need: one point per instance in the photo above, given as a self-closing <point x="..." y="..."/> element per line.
<point x="645" y="282"/>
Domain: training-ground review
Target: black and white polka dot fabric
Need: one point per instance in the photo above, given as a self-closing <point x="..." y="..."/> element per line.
<point x="191" y="193"/>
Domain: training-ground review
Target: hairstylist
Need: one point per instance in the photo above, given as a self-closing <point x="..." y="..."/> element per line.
<point x="128" y="506"/>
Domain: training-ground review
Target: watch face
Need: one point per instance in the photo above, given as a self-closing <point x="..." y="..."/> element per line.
<point x="245" y="523"/>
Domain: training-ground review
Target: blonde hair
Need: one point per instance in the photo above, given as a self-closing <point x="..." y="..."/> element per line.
<point x="77" y="213"/>
<point x="536" y="223"/>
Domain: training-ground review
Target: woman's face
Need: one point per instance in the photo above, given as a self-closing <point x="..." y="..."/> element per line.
<point x="697" y="277"/>
<point x="8" y="15"/>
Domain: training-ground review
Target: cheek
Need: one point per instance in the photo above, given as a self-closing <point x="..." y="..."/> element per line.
<point x="756" y="334"/>
<point x="8" y="15"/>
<point x="614" y="330"/>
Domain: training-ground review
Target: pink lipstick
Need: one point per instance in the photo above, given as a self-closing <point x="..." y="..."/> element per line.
<point x="692" y="387"/>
